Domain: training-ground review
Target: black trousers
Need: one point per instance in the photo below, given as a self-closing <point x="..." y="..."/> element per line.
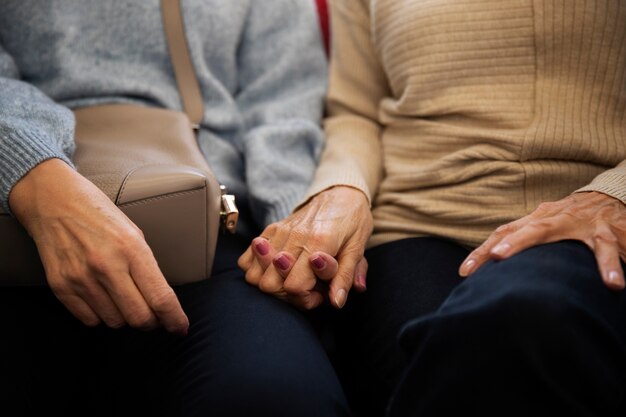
<point x="536" y="335"/>
<point x="246" y="354"/>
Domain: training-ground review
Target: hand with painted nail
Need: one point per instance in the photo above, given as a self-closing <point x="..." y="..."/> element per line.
<point x="314" y="254"/>
<point x="594" y="218"/>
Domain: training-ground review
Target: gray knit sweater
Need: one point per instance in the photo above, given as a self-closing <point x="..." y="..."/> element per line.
<point x="260" y="63"/>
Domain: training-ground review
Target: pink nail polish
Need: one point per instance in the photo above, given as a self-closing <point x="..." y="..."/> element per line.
<point x="282" y="263"/>
<point x="261" y="248"/>
<point x="318" y="262"/>
<point x="362" y="281"/>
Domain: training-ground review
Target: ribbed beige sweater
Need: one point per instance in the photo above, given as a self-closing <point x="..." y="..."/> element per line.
<point x="456" y="116"/>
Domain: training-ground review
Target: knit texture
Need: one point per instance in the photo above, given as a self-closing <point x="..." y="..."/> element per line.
<point x="458" y="116"/>
<point x="261" y="67"/>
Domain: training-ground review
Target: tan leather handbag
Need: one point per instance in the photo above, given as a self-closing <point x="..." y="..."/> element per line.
<point x="148" y="162"/>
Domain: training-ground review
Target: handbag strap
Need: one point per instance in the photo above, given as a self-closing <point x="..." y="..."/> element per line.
<point x="186" y="79"/>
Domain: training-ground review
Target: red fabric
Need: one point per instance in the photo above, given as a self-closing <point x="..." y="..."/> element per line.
<point x="322" y="8"/>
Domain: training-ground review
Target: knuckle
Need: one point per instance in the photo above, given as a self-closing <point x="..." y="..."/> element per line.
<point x="539" y="225"/>
<point x="503" y="229"/>
<point x="294" y="288"/>
<point x="97" y="263"/>
<point x="268" y="286"/>
<point x="90" y="321"/>
<point x="605" y="236"/>
<point x="309" y="303"/>
<point x="115" y="323"/>
<point x="141" y="320"/>
<point x="318" y="239"/>
<point x="272" y="228"/>
<point x="163" y="300"/>
<point x="544" y="207"/>
<point x="251" y="277"/>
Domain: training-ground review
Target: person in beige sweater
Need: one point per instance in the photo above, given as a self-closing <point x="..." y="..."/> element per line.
<point x="489" y="139"/>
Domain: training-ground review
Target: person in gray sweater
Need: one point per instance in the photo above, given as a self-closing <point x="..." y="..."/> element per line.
<point x="218" y="347"/>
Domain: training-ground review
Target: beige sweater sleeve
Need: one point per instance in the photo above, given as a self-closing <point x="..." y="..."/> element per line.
<point x="611" y="182"/>
<point x="352" y="155"/>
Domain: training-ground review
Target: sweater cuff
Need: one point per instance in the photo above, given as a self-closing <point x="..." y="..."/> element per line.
<point x="611" y="183"/>
<point x="17" y="160"/>
<point x="348" y="178"/>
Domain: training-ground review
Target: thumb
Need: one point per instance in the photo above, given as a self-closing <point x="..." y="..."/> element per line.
<point x="342" y="282"/>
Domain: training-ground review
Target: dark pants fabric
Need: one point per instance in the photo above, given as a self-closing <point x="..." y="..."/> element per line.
<point x="246" y="354"/>
<point x="536" y="335"/>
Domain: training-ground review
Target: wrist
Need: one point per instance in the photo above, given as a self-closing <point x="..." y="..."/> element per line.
<point x="45" y="177"/>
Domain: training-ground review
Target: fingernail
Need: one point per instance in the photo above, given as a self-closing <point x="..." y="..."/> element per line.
<point x="262" y="248"/>
<point x="340" y="298"/>
<point x="362" y="281"/>
<point x="318" y="262"/>
<point x="613" y="278"/>
<point x="501" y="249"/>
<point x="468" y="267"/>
<point x="282" y="263"/>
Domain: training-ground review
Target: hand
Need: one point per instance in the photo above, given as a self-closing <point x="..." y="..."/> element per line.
<point x="96" y="260"/>
<point x="290" y="256"/>
<point x="596" y="219"/>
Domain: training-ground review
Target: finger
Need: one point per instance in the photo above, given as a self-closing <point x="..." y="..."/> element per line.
<point x="80" y="290"/>
<point x="264" y="253"/>
<point x="124" y="292"/>
<point x="272" y="280"/>
<point x="81" y="293"/>
<point x="608" y="257"/>
<point x="79" y="308"/>
<point x="283" y="262"/>
<point x="511" y="239"/>
<point x="97" y="298"/>
<point x="254" y="273"/>
<point x="360" y="276"/>
<point x="246" y="259"/>
<point x="342" y="282"/>
<point x="482" y="254"/>
<point x="323" y="265"/>
<point x="159" y="296"/>
<point x="301" y="285"/>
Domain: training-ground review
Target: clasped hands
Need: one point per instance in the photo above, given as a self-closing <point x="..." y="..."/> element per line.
<point x="317" y="252"/>
<point x="314" y="254"/>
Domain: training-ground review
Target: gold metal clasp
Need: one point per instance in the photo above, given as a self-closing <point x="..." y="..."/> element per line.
<point x="229" y="214"/>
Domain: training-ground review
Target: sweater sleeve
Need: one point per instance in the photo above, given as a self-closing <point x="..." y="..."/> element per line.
<point x="33" y="128"/>
<point x="282" y="82"/>
<point x="611" y="182"/>
<point x="352" y="155"/>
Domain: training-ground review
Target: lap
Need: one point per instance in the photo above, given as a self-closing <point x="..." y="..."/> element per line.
<point x="413" y="283"/>
<point x="244" y="351"/>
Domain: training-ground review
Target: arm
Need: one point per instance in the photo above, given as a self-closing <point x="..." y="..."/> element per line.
<point x="96" y="261"/>
<point x="334" y="218"/>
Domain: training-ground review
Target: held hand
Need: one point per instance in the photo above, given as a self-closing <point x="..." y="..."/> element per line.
<point x="324" y="239"/>
<point x="96" y="260"/>
<point x="596" y="219"/>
